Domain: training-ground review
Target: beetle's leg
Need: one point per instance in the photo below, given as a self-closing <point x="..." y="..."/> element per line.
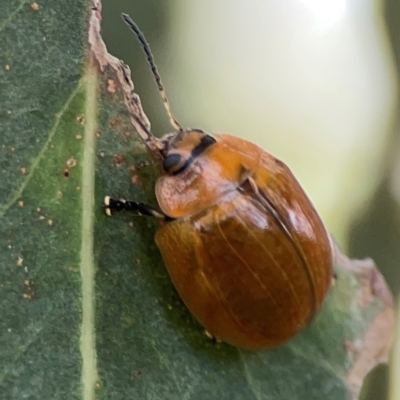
<point x="213" y="338"/>
<point x="111" y="204"/>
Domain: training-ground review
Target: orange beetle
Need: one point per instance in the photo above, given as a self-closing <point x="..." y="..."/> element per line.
<point x="244" y="246"/>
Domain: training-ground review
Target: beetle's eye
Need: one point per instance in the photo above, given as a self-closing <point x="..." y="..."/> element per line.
<point x="173" y="164"/>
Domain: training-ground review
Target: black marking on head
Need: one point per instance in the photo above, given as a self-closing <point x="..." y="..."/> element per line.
<point x="205" y="142"/>
<point x="173" y="162"/>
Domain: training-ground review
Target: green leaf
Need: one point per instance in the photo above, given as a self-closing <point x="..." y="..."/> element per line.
<point x="42" y="61"/>
<point x="87" y="307"/>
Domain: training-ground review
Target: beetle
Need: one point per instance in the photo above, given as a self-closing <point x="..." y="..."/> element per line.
<point x="243" y="245"/>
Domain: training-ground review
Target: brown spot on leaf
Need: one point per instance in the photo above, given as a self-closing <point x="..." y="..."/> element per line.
<point x="114" y="122"/>
<point x="20" y="261"/>
<point x="71" y="162"/>
<point x="35" y="6"/>
<point x="80" y="119"/>
<point x="135" y="180"/>
<point x="111" y="87"/>
<point x="142" y="165"/>
<point x="118" y="159"/>
<point x="28" y="292"/>
<point x="24" y="171"/>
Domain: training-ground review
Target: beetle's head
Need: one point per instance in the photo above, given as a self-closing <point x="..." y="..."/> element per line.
<point x="182" y="148"/>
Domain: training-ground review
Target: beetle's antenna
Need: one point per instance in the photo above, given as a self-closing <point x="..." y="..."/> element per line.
<point x="153" y="66"/>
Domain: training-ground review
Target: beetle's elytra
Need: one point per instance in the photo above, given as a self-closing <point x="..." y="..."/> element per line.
<point x="244" y="246"/>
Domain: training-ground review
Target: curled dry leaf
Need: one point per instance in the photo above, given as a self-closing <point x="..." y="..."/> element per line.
<point x="372" y="346"/>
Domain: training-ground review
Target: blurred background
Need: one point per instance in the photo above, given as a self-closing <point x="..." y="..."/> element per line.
<point x="313" y="82"/>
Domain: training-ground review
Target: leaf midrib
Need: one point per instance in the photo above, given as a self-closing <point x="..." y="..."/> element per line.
<point x="87" y="268"/>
